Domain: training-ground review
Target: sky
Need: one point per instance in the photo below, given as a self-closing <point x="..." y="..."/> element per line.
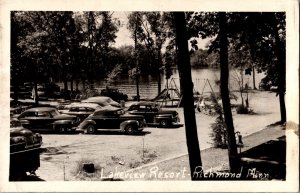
<point x="123" y="35"/>
<point x="124" y="38"/>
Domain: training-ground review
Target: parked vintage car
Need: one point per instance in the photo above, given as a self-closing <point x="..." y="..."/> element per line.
<point x="24" y="152"/>
<point x="81" y="110"/>
<point x="41" y="91"/>
<point x="154" y="115"/>
<point x="112" y="118"/>
<point x="47" y="119"/>
<point x="102" y="101"/>
<point x="114" y="94"/>
<point x="46" y="91"/>
<point x="20" y="92"/>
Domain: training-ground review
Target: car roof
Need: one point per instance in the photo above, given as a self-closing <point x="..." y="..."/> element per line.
<point x="111" y="87"/>
<point x="90" y="105"/>
<point x="145" y="103"/>
<point x="98" y="99"/>
<point x="107" y="109"/>
<point x="40" y="109"/>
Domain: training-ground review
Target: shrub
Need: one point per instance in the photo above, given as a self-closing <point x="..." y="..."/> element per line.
<point x="219" y="133"/>
<point x="241" y="109"/>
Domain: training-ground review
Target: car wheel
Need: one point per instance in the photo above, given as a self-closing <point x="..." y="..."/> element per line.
<point x="163" y="123"/>
<point x="90" y="129"/>
<point x="129" y="129"/>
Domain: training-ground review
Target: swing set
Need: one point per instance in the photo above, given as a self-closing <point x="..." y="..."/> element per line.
<point x="205" y="104"/>
<point x="170" y="96"/>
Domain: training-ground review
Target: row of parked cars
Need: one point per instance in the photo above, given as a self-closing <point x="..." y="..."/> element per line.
<point x="86" y="116"/>
<point x="97" y="113"/>
<point x="52" y="90"/>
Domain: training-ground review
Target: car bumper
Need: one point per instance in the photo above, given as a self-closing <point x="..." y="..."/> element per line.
<point x="140" y="129"/>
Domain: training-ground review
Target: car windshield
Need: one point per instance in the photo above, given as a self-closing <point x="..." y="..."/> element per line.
<point x="120" y="112"/>
<point x="54" y="112"/>
<point x="156" y="106"/>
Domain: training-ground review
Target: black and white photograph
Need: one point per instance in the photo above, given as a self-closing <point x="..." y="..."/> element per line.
<point x="155" y="98"/>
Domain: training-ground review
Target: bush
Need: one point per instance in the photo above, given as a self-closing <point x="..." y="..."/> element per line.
<point x="241" y="109"/>
<point x="219" y="133"/>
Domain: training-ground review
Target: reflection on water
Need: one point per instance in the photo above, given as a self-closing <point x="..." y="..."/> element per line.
<point x="149" y="88"/>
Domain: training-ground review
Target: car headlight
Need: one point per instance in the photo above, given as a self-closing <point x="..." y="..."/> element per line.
<point x="37" y="138"/>
<point x="17" y="139"/>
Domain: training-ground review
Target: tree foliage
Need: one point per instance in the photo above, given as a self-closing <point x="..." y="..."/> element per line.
<point x="152" y="29"/>
<point x="256" y="40"/>
<point x="61" y="45"/>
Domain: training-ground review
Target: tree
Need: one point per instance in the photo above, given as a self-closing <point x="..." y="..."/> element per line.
<point x="240" y="63"/>
<point x="152" y="30"/>
<point x="97" y="30"/>
<point x="264" y="33"/>
<point x="184" y="67"/>
<point x="224" y="76"/>
<point x="281" y="63"/>
<point x="214" y="25"/>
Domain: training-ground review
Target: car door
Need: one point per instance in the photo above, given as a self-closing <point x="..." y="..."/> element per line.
<point x="99" y="119"/>
<point x="27" y="119"/>
<point x="150" y="114"/>
<point x="146" y="112"/>
<point x="44" y="120"/>
<point x="112" y="120"/>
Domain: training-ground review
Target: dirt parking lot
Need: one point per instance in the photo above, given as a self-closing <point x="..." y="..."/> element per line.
<point x="113" y="150"/>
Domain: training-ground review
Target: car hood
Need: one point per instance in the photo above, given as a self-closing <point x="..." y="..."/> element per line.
<point x="167" y="112"/>
<point x="19" y="131"/>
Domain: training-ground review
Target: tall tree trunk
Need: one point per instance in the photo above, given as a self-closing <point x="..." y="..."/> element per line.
<point x="158" y="71"/>
<point x="253" y="74"/>
<point x="280" y="53"/>
<point x="65" y="85"/>
<point x="137" y="62"/>
<point x="184" y="68"/>
<point x="71" y="86"/>
<point x="137" y="80"/>
<point x="36" y="98"/>
<point x="224" y="75"/>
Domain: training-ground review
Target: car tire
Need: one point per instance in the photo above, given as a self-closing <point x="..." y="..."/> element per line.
<point x="129" y="129"/>
<point x="90" y="129"/>
<point x="163" y="123"/>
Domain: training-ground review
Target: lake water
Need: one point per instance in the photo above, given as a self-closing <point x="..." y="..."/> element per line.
<point x="149" y="87"/>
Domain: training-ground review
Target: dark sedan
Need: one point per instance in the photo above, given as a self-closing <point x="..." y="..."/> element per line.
<point x="24" y="153"/>
<point x="154" y="115"/>
<point x="114" y="93"/>
<point x="112" y="118"/>
<point x="47" y="119"/>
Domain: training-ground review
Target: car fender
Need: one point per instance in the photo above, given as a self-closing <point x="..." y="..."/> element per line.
<point x="90" y="122"/>
<point x="163" y="116"/>
<point x="129" y="122"/>
<point x="86" y="122"/>
<point x="63" y="122"/>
